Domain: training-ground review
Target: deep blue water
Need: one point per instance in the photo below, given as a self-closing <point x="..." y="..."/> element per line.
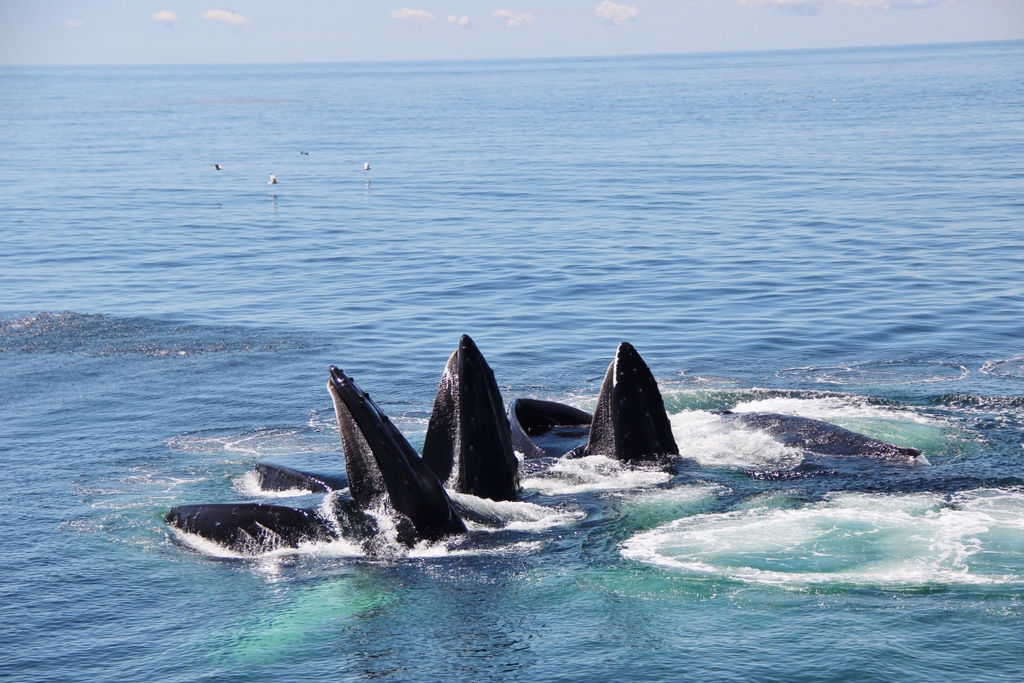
<point x="835" y="234"/>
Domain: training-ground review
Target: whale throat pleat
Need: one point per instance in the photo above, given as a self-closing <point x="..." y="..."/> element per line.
<point x="630" y="422"/>
<point x="469" y="443"/>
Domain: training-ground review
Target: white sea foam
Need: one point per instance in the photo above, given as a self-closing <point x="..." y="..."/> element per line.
<point x="672" y="498"/>
<point x="712" y="441"/>
<point x="1008" y="367"/>
<point x="442" y="549"/>
<point x="977" y="537"/>
<point x="593" y="473"/>
<point x="829" y="409"/>
<point x="516" y="515"/>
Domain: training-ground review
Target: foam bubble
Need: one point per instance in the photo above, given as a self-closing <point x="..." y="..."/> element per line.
<point x="592" y="473"/>
<point x="680" y="496"/>
<point x="516" y="515"/>
<point x="712" y="441"/>
<point x="828" y="408"/>
<point x="70" y="332"/>
<point x="1009" y="367"/>
<point x="976" y="537"/>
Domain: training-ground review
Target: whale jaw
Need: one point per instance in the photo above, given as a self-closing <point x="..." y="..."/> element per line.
<point x="630" y="422"/>
<point x="468" y="443"/>
<point x="384" y="468"/>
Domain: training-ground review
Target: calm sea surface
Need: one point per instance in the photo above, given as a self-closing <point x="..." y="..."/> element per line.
<point x="834" y="234"/>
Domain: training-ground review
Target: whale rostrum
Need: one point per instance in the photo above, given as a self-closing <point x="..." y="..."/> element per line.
<point x="629" y="423"/>
<point x="468" y="443"/>
<point x="384" y="468"/>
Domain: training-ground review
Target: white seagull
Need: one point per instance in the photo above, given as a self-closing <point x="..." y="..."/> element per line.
<point x="273" y="180"/>
<point x="366" y="166"/>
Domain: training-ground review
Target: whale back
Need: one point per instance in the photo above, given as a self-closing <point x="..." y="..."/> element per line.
<point x="820" y="437"/>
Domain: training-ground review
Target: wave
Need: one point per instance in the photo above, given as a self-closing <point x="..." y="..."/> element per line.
<point x="515" y="515"/>
<point x="264" y="441"/>
<point x="878" y="373"/>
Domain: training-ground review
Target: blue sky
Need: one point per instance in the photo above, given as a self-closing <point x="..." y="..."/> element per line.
<point x="176" y="32"/>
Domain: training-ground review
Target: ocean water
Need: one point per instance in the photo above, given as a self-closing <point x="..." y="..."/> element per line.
<point x="834" y="234"/>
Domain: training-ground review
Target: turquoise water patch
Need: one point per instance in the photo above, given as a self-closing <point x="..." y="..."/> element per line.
<point x="974" y="537"/>
<point x="298" y="621"/>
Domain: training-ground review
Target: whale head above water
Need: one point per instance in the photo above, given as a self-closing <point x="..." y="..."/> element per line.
<point x="629" y="422"/>
<point x="468" y="442"/>
<point x="383" y="467"/>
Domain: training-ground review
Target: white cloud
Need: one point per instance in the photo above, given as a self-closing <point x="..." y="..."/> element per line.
<point x="74" y="23"/>
<point x="813" y="6"/>
<point x="165" y="17"/>
<point x="227" y="16"/>
<point x="416" y="16"/>
<point x="610" y="13"/>
<point x="463" y="21"/>
<point x="513" y="18"/>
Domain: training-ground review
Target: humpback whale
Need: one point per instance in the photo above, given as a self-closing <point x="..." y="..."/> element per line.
<point x="383" y="472"/>
<point x="383" y="468"/>
<point x="469" y="443"/>
<point x="544" y="429"/>
<point x="274" y="477"/>
<point x="251" y="527"/>
<point x="629" y="423"/>
<point x="820" y="437"/>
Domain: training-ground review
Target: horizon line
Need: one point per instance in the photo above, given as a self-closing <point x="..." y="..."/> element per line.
<point x="524" y="59"/>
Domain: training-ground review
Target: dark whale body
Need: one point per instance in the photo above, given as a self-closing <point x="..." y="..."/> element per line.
<point x="468" y="443"/>
<point x="250" y="527"/>
<point x="819" y="437"/>
<point x="544" y="429"/>
<point x="258" y="527"/>
<point x="384" y="469"/>
<point x="274" y="477"/>
<point x="629" y="423"/>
